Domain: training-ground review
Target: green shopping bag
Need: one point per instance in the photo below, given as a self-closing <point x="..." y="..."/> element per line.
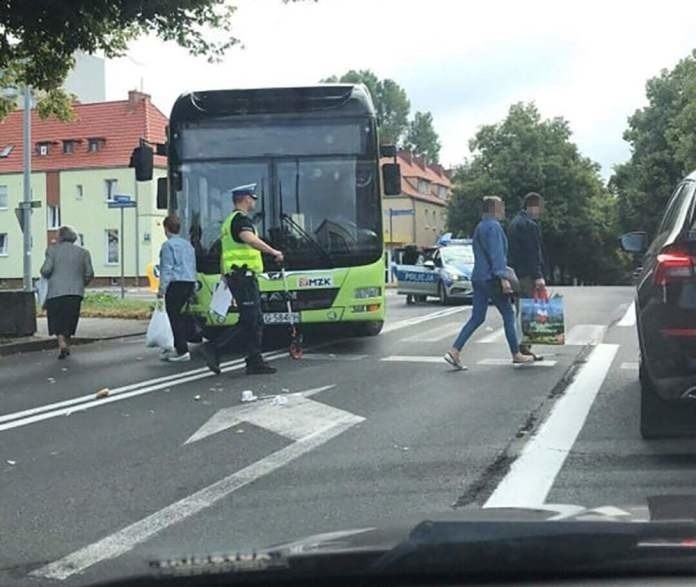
<point x="542" y="321"/>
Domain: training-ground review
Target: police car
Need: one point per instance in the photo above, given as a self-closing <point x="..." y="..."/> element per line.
<point x="445" y="273"/>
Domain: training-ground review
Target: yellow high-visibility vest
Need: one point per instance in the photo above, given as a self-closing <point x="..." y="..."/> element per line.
<point x="238" y="254"/>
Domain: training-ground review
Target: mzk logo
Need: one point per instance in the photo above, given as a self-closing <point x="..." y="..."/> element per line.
<point x="323" y="281"/>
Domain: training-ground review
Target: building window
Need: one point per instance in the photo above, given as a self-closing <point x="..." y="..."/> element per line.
<point x="68" y="147"/>
<point x="5" y="151"/>
<point x="442" y="191"/>
<point x="42" y="149"/>
<point x="3" y="244"/>
<point x="79" y="192"/>
<point x="53" y="219"/>
<point x="3" y="197"/>
<point x="94" y="145"/>
<point x="110" y="187"/>
<point x="112" y="246"/>
<point x="423" y="186"/>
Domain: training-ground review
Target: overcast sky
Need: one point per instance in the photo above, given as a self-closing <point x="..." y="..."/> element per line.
<point x="464" y="61"/>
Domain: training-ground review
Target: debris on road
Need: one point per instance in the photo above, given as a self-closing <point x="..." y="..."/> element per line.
<point x="10" y="462"/>
<point x="240" y="431"/>
<point x="248" y="396"/>
<point x="64" y="369"/>
<point x="102" y="393"/>
<point x="197" y="398"/>
<point x="279" y="400"/>
<point x="285" y="390"/>
<point x="51" y="379"/>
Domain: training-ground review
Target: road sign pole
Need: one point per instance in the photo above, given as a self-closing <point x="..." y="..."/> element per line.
<point x="26" y="145"/>
<point x="121" y="238"/>
<point x="137" y="237"/>
<point x="391" y="226"/>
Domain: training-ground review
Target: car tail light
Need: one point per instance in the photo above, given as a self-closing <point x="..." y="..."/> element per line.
<point x="673" y="265"/>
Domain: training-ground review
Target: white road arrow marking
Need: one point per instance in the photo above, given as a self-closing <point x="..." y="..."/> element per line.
<point x="298" y="418"/>
<point x="303" y="411"/>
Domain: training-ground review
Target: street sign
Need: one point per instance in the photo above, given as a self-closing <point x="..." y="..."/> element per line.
<point x="401" y="212"/>
<point x="122" y="204"/>
<point x="20" y="215"/>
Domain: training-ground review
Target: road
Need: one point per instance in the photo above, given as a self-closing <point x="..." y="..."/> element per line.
<point x="365" y="431"/>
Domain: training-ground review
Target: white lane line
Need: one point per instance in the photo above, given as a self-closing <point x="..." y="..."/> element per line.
<point x="413" y="359"/>
<point x="435" y="334"/>
<point x="95" y="403"/>
<point x="126" y="539"/>
<point x="493" y="362"/>
<point x="333" y="357"/>
<point x="586" y="334"/>
<point x="630" y="366"/>
<point x="495" y="336"/>
<point x="420" y="319"/>
<point x="113" y="392"/>
<point x="629" y="318"/>
<point x="532" y="475"/>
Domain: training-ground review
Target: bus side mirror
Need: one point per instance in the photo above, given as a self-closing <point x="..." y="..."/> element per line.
<point x="162" y="203"/>
<point x="142" y="159"/>
<point x="391" y="176"/>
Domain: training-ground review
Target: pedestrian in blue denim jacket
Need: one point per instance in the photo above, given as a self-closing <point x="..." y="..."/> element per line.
<point x="177" y="282"/>
<point x="489" y="279"/>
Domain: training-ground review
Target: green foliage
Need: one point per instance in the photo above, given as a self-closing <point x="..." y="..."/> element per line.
<point x="662" y="136"/>
<point x="524" y="153"/>
<point x="38" y="39"/>
<point x="390" y="99"/>
<point x="422" y="139"/>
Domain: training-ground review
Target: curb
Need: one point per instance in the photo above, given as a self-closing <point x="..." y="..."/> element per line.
<point x="45" y="344"/>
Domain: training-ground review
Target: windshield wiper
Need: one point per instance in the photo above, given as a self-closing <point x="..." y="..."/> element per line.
<point x="308" y="238"/>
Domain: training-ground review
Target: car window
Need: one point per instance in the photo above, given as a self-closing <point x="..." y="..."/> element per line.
<point x="674" y="207"/>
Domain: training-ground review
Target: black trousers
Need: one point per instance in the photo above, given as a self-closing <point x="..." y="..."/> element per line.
<point x="178" y="293"/>
<point x="248" y="332"/>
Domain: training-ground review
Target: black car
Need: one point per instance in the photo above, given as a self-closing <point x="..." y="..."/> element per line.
<point x="666" y="317"/>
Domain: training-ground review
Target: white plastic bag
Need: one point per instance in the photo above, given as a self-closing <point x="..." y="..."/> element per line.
<point x="221" y="300"/>
<point x="159" y="332"/>
<point x="42" y="291"/>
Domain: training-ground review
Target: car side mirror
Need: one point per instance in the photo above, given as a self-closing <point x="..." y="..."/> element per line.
<point x="634" y="242"/>
<point x="162" y="203"/>
<point x="429" y="264"/>
<point x="391" y="177"/>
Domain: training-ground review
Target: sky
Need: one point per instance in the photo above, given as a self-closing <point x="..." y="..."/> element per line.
<point x="464" y="61"/>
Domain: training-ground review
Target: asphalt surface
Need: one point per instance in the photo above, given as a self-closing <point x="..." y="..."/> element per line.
<point x="94" y="489"/>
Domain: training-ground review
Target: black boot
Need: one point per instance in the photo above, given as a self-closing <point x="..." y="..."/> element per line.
<point x="211" y="357"/>
<point x="259" y="367"/>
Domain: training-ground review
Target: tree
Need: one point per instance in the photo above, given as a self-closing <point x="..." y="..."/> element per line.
<point x="662" y="136"/>
<point x="422" y="139"/>
<point x="390" y="99"/>
<point x="524" y="153"/>
<point x="38" y="39"/>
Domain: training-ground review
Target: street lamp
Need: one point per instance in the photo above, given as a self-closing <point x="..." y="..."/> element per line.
<point x="26" y="203"/>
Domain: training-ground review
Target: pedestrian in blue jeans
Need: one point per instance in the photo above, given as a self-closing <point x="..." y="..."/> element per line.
<point x="490" y="282"/>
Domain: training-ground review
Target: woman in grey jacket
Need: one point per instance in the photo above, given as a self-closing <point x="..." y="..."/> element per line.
<point x="68" y="269"/>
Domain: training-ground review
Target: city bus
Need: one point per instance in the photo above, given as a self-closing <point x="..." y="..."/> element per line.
<point x="313" y="153"/>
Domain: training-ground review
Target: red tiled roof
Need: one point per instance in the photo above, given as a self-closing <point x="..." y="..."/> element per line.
<point x="414" y="168"/>
<point x="121" y="124"/>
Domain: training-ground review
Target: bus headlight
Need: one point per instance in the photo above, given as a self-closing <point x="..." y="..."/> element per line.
<point x="367" y="292"/>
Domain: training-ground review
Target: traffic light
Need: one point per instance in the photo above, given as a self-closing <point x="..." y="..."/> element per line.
<point x="143" y="161"/>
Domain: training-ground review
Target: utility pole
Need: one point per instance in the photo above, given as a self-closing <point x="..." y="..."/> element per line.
<point x="137" y="236"/>
<point x="26" y="204"/>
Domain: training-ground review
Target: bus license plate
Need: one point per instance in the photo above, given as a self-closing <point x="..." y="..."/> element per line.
<point x="280" y="318"/>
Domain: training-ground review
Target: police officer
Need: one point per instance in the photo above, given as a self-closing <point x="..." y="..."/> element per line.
<point x="241" y="262"/>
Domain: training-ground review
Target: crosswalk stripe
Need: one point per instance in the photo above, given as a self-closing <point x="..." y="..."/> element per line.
<point x="435" y="334"/>
<point x="586" y="334"/>
<point x="495" y="362"/>
<point x="630" y="366"/>
<point x="413" y="359"/>
<point x="494" y="336"/>
<point x="629" y="318"/>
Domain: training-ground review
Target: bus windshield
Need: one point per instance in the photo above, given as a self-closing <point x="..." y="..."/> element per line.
<point x="321" y="208"/>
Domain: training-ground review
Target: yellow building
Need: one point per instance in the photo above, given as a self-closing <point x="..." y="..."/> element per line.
<point x="77" y="168"/>
<point x="418" y="216"/>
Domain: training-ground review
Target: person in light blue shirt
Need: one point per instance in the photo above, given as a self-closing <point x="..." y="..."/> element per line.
<point x="177" y="282"/>
<point x="490" y="282"/>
